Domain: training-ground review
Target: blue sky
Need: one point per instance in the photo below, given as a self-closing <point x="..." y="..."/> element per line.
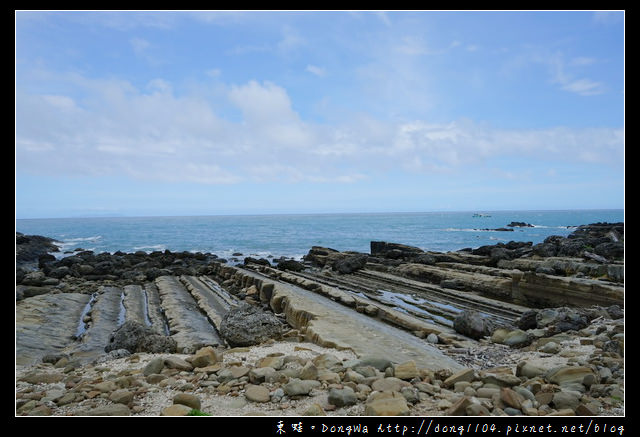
<point x="233" y="112"/>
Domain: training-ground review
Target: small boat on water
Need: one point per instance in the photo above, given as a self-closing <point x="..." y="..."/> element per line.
<point x="481" y="215"/>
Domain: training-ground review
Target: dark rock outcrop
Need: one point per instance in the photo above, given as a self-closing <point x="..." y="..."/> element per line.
<point x="394" y="250"/>
<point x="135" y="337"/>
<point x="247" y="325"/>
<point x="135" y="267"/>
<point x="320" y="256"/>
<point x="30" y="247"/>
<point x="520" y="225"/>
<point x="603" y="239"/>
<point x="495" y="229"/>
<point x="350" y="263"/>
<point x="292" y="265"/>
<point x="261" y="261"/>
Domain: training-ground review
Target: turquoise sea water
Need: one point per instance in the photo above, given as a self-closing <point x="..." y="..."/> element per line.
<point x="293" y="235"/>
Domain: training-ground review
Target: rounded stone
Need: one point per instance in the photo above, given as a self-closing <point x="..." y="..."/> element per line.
<point x="176" y="410"/>
<point x="187" y="399"/>
<point x="154" y="366"/>
<point x="257" y="393"/>
<point x="387" y="406"/>
<point x="342" y="397"/>
<point x="121" y="396"/>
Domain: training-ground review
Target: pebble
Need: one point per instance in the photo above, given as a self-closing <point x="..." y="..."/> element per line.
<point x="459" y="407"/>
<point x="487" y="393"/>
<point x="342" y="397"/>
<point x="391" y="404"/>
<point x="121" y="396"/>
<point x="568" y="374"/>
<point x="275" y="363"/>
<point x="516" y="338"/>
<point x="176" y="410"/>
<point x="380" y="363"/>
<point x="511" y="398"/>
<point x="550" y="348"/>
<point x="177" y="363"/>
<point x="564" y="399"/>
<point x="407" y="370"/>
<point x="462" y="375"/>
<point x="477" y="410"/>
<point x="309" y="371"/>
<point x="107" y="410"/>
<point x="257" y="393"/>
<point x="42" y="378"/>
<point x="314" y="410"/>
<point x="389" y="384"/>
<point x="328" y="376"/>
<point x="106" y="386"/>
<point x="529" y="370"/>
<point x="40" y="410"/>
<point x="297" y="387"/>
<point x="187" y="399"/>
<point x="154" y="366"/>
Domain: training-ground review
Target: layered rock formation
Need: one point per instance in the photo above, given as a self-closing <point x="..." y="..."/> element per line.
<point x="455" y="331"/>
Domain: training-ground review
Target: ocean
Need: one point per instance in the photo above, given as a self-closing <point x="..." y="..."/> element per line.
<point x="292" y="235"/>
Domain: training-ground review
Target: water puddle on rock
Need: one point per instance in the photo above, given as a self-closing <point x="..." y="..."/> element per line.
<point x="82" y="326"/>
<point x="415" y="306"/>
<point x="123" y="311"/>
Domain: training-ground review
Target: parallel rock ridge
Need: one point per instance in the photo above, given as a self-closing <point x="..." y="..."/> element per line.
<point x="510" y="329"/>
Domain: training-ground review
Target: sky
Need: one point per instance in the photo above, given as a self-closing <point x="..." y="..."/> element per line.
<point x="143" y="113"/>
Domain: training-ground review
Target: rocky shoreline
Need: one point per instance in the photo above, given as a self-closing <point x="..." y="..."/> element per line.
<point x="508" y="329"/>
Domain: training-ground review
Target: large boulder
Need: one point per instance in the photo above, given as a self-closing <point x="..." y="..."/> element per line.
<point x="473" y="324"/>
<point x="350" y="263"/>
<point x="290" y="264"/>
<point x="135" y="337"/>
<point x="562" y="319"/>
<point x="321" y="256"/>
<point x="247" y="325"/>
<point x="261" y="261"/>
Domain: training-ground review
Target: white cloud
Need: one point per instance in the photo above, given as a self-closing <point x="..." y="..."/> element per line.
<point x="62" y="102"/>
<point x="562" y="72"/>
<point x="581" y="61"/>
<point x="214" y="72"/>
<point x="608" y="17"/>
<point x="318" y="71"/>
<point x="291" y="40"/>
<point x="413" y="46"/>
<point x="160" y="85"/>
<point x="139" y="45"/>
<point x="158" y="135"/>
<point x="584" y="87"/>
<point x="262" y="102"/>
<point x="146" y="51"/>
<point x="568" y="82"/>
